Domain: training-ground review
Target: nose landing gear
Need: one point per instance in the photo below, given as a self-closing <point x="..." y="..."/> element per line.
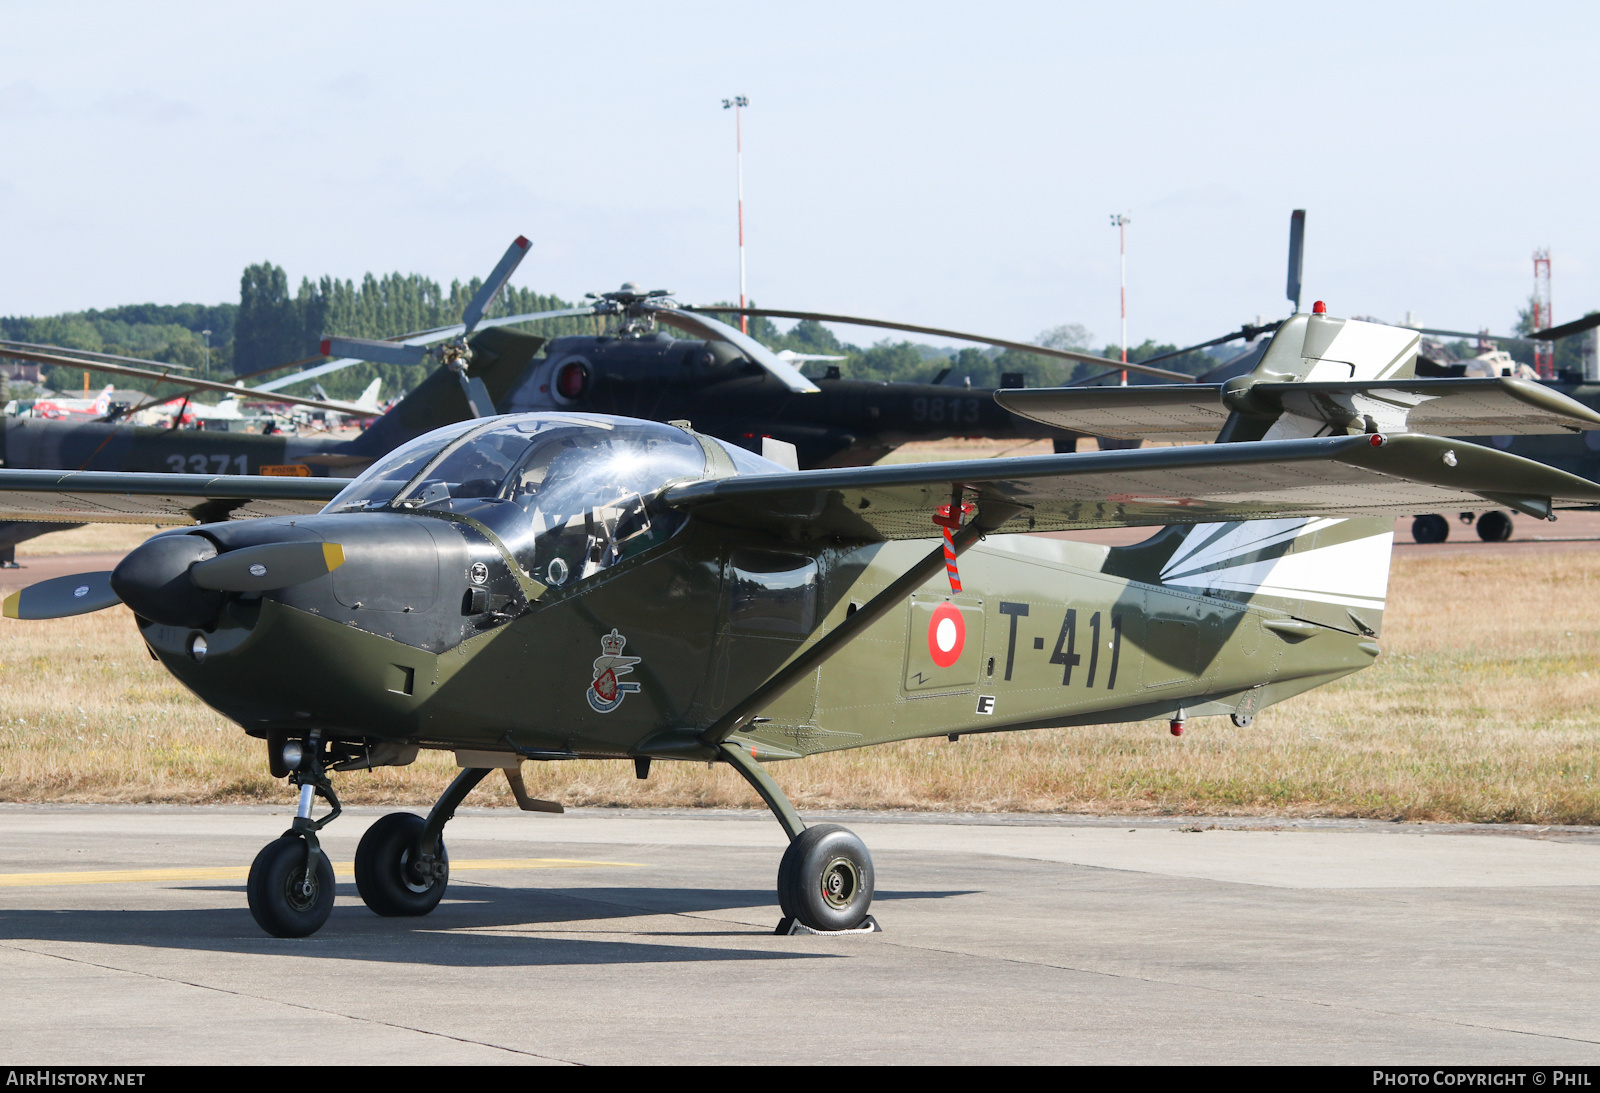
<point x="290" y="889"/>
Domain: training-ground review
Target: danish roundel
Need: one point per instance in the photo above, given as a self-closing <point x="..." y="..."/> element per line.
<point x="947" y="635"/>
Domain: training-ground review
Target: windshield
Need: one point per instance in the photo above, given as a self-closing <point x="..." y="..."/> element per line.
<point x="569" y="494"/>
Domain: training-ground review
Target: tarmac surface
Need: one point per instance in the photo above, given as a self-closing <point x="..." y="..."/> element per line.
<point x="607" y="936"/>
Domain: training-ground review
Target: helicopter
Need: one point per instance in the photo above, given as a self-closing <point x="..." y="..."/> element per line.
<point x="554" y="585"/>
<point x="730" y="385"/>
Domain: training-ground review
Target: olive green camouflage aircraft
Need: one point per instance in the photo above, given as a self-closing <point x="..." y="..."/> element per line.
<point x="552" y="586"/>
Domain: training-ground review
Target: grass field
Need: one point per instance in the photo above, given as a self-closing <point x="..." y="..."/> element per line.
<point x="1482" y="708"/>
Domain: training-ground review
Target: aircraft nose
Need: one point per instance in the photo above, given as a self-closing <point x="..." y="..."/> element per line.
<point x="154" y="580"/>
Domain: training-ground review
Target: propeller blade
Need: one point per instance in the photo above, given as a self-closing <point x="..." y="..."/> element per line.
<point x="1566" y="330"/>
<point x="478" y="400"/>
<point x="497" y="279"/>
<point x="366" y="349"/>
<point x="263" y="568"/>
<point x="59" y="597"/>
<point x="1020" y="347"/>
<point x="710" y="329"/>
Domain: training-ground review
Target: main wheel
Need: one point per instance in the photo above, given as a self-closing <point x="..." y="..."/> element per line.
<point x="825" y="879"/>
<point x="1494" y="527"/>
<point x="385" y="877"/>
<point x="1430" y="529"/>
<point x="286" y="898"/>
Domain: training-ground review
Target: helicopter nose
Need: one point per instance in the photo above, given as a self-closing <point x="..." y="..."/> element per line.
<point x="154" y="580"/>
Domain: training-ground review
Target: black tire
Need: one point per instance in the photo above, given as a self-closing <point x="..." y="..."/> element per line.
<point x="1430" y="529"/>
<point x="1494" y="527"/>
<point x="281" y="902"/>
<point x="825" y="879"/>
<point x="383" y="874"/>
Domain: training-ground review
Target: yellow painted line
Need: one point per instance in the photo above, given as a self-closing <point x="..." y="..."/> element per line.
<point x="341" y="870"/>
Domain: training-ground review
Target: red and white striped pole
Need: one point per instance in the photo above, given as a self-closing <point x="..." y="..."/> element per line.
<point x="1121" y="223"/>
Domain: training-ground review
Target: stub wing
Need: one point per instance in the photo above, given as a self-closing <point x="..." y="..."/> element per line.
<point x="86" y="497"/>
<point x="1196" y="411"/>
<point x="1323" y="476"/>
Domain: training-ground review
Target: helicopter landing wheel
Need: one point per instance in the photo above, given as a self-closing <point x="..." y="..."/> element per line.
<point x="825" y="879"/>
<point x="1430" y="529"/>
<point x="288" y="899"/>
<point x="1494" y="527"/>
<point x="389" y="876"/>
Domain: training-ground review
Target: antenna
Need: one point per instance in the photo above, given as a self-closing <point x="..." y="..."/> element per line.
<point x="1297" y="253"/>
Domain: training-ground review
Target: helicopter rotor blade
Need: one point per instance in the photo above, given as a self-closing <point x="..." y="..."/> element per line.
<point x="497" y="279"/>
<point x="91" y="357"/>
<point x="1020" y="347"/>
<point x="1297" y="254"/>
<point x="1566" y="330"/>
<point x="266" y="567"/>
<point x="712" y="330"/>
<point x="478" y="400"/>
<point x="61" y="597"/>
<point x="366" y="349"/>
<point x="1247" y="332"/>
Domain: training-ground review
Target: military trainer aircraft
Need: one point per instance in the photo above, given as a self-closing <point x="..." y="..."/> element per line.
<point x="549" y="586"/>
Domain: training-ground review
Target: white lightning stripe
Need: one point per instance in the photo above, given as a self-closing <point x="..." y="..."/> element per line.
<point x="1354" y="573"/>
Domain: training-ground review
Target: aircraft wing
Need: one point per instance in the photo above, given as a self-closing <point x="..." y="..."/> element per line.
<point x="1195" y="411"/>
<point x="1321" y="476"/>
<point x="89" y="497"/>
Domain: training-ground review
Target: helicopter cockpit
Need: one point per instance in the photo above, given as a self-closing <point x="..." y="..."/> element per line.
<point x="568" y="494"/>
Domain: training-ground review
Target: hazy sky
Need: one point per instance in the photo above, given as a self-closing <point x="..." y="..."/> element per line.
<point x="947" y="164"/>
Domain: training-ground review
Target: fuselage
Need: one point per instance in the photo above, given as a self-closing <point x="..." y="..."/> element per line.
<point x="527" y="622"/>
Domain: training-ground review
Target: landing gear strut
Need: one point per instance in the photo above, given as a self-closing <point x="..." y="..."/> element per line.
<point x="825" y="878"/>
<point x="291" y="881"/>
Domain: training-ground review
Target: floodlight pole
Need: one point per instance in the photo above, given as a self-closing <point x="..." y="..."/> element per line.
<point x="207" y="335"/>
<point x="1121" y="223"/>
<point x="737" y="104"/>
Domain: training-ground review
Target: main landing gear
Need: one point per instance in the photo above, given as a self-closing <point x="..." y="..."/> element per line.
<point x="825" y="878"/>
<point x="402" y="868"/>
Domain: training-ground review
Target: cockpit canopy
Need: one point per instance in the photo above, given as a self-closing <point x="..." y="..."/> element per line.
<point x="568" y="494"/>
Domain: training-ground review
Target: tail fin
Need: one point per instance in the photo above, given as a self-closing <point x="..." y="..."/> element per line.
<point x="1328" y="571"/>
<point x="369" y="398"/>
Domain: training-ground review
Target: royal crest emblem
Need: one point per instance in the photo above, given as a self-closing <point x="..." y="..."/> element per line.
<point x="606" y="693"/>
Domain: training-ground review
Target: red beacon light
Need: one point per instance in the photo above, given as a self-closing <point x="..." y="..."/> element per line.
<point x="1319" y="308"/>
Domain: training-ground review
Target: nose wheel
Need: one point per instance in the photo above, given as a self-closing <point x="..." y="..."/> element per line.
<point x="290" y="887"/>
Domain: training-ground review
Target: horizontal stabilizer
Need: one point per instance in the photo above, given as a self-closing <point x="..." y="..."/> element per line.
<point x="1322" y="476"/>
<point x="1195" y="412"/>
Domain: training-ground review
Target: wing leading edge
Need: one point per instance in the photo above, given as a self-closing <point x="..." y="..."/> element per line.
<point x="1325" y="476"/>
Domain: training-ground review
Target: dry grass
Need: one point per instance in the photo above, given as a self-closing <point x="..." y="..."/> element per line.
<point x="88" y="539"/>
<point x="1482" y="708"/>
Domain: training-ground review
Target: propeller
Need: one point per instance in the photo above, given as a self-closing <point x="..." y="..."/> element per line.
<point x="151" y="580"/>
<point x="1020" y="347"/>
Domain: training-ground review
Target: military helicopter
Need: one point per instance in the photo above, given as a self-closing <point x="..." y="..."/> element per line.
<point x="555" y="585"/>
<point x="730" y="385"/>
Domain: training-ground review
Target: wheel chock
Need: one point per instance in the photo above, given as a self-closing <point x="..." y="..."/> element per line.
<point x="790" y="927"/>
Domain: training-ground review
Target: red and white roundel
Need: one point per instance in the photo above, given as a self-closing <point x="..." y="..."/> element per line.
<point x="947" y="635"/>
